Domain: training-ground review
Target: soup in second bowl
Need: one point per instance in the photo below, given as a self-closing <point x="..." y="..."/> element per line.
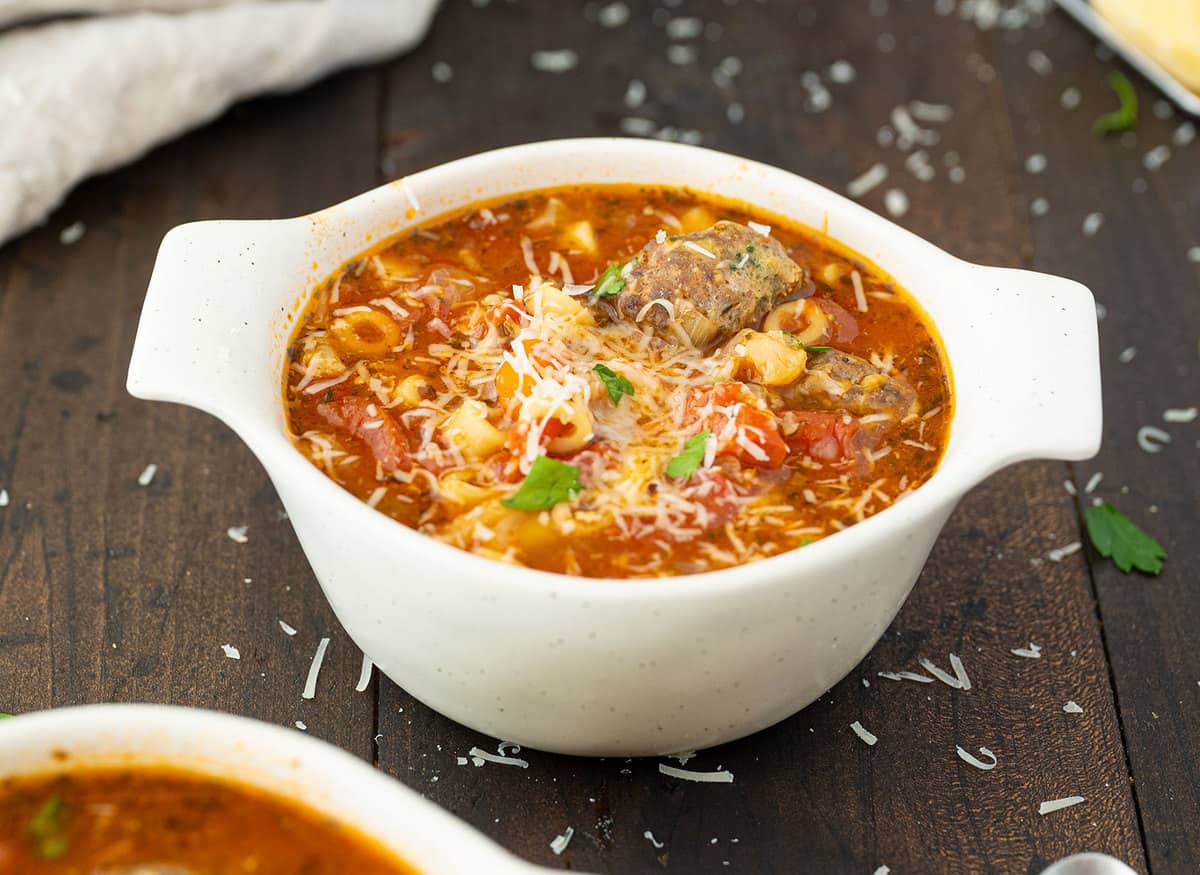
<point x="164" y="822"/>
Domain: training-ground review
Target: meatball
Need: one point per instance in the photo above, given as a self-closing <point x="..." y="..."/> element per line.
<point x="839" y="381"/>
<point x="713" y="282"/>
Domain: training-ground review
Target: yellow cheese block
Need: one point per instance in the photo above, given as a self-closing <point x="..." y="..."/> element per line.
<point x="1166" y="30"/>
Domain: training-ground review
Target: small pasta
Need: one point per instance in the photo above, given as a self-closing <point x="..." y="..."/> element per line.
<point x="412" y="389"/>
<point x="366" y="332"/>
<point x="804" y="319"/>
<point x="469" y="431"/>
<point x="770" y="357"/>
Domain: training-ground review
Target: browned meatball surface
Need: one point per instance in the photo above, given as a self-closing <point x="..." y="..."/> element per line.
<point x="714" y="282"/>
<point x="838" y="380"/>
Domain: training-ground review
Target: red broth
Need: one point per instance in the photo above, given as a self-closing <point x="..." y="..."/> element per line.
<point x="745" y="391"/>
<point x="111" y="822"/>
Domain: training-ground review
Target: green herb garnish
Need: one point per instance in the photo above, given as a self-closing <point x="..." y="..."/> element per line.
<point x="48" y="829"/>
<point x="614" y="383"/>
<point x="1113" y="535"/>
<point x="794" y="343"/>
<point x="548" y="482"/>
<point x="690" y="458"/>
<point x="610" y="282"/>
<point x="3" y="715"/>
<point x="1123" y="118"/>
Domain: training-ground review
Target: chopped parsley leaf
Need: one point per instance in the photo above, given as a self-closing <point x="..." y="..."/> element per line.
<point x="616" y="384"/>
<point x="1125" y="117"/>
<point x="794" y="343"/>
<point x="48" y="829"/>
<point x="689" y="459"/>
<point x="610" y="282"/>
<point x="1113" y="535"/>
<point x="548" y="482"/>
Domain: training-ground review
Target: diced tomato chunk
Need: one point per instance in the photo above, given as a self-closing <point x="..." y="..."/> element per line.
<point x="594" y="459"/>
<point x="743" y="429"/>
<point x="845" y="326"/>
<point x="824" y="435"/>
<point x="387" y="441"/>
<point x="712" y="489"/>
<point x="507" y="311"/>
<point x="508" y="463"/>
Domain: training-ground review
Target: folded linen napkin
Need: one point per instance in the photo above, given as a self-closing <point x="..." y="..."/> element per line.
<point x="83" y="95"/>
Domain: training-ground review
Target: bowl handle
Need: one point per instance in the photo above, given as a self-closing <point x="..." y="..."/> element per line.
<point x="1036" y="350"/>
<point x="217" y="302"/>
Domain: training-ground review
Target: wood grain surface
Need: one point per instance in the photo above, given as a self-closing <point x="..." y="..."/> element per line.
<point x="111" y="591"/>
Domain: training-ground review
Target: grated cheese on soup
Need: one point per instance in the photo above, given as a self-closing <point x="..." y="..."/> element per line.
<point x="650" y="404"/>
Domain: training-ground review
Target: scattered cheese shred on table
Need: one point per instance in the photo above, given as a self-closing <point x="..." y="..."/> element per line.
<point x="1151" y="438"/>
<point x="560" y="842"/>
<point x="238" y="534"/>
<point x="231" y="651"/>
<point x="147" y="474"/>
<point x="1072" y="707"/>
<point x="3" y="498"/>
<point x="971" y="760"/>
<point x="649" y="836"/>
<point x="1180" y="414"/>
<point x="905" y="676"/>
<point x="883" y="870"/>
<point x="1058" y="554"/>
<point x="301" y="725"/>
<point x="957" y="681"/>
<point x="72" y="233"/>
<point x="873" y="177"/>
<point x="554" y="60"/>
<point x="1053" y="805"/>
<point x="1034" y="651"/>
<point x="314" y="670"/>
<point x="722" y="776"/>
<point x="864" y="734"/>
<point x="364" y="674"/>
<point x="287" y="629"/>
<point x="480" y="756"/>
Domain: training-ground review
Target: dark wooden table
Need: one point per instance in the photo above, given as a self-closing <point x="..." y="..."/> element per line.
<point x="111" y="591"/>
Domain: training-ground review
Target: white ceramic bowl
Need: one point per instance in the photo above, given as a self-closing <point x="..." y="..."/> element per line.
<point x="280" y="761"/>
<point x="612" y="667"/>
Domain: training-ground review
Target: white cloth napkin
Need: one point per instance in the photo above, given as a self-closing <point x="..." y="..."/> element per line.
<point x="84" y="95"/>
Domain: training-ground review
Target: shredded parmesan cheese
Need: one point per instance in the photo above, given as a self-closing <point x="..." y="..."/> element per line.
<point x="1058" y="804"/>
<point x="862" y="733"/>
<point x="906" y="676"/>
<point x="722" y="776"/>
<point x="559" y="844"/>
<point x="231" y="651"/>
<point x="860" y="297"/>
<point x="696" y="247"/>
<point x="314" y="670"/>
<point x="364" y="674"/>
<point x="971" y="760"/>
<point x="480" y="756"/>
